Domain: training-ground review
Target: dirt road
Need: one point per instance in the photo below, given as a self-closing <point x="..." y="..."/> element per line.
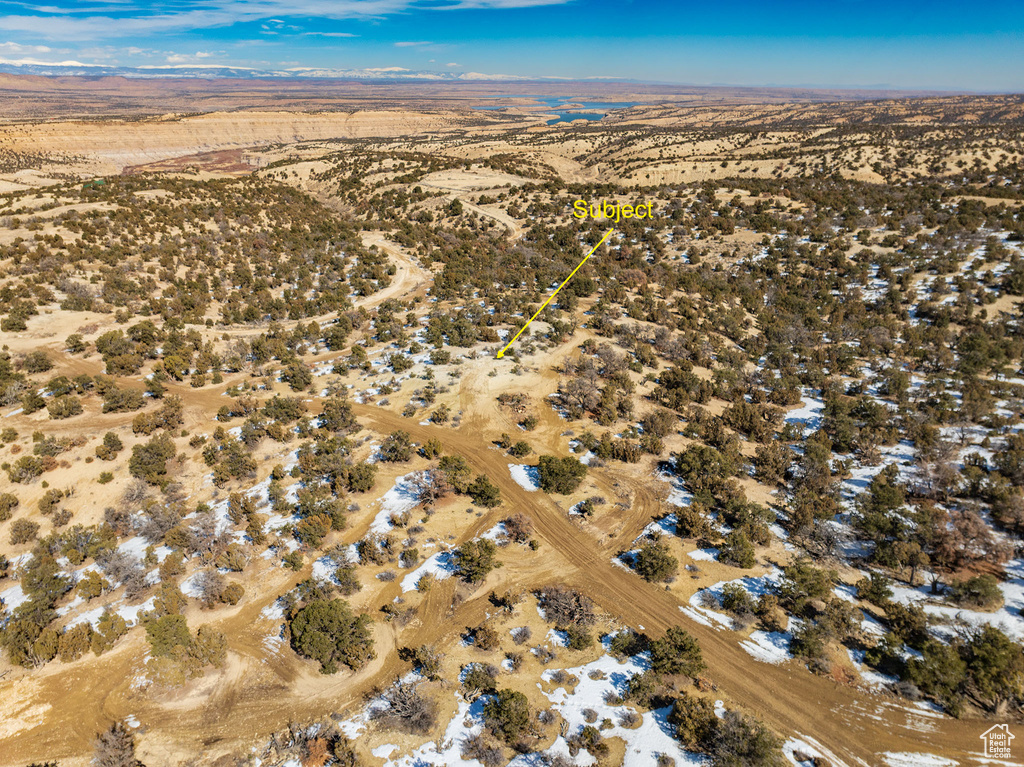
<point x="494" y="213"/>
<point x="856" y="727"/>
<point x="409" y="276"/>
<point x="237" y="706"/>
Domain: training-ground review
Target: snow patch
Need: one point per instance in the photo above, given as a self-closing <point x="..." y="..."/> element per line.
<point x="916" y="759"/>
<point x="527" y="477"/>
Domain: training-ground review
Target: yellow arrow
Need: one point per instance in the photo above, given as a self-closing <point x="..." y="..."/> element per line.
<point x="581" y="263"/>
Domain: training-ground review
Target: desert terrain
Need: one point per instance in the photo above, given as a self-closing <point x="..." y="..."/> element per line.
<point x="749" y="491"/>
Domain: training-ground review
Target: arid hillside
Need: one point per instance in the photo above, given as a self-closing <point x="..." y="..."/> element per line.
<point x="749" y="491"/>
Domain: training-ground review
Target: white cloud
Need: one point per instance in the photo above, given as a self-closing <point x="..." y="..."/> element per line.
<point x="18" y="48"/>
<point x="453" y="64"/>
<point x="185" y="58"/>
<point x="329" y="34"/>
<point x="109" y="20"/>
<point x="412" y="44"/>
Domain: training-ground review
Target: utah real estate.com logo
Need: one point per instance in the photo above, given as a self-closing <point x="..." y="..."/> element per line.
<point x="997" y="741"/>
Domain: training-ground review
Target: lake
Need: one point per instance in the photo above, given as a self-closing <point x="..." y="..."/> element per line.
<point x="559" y="106"/>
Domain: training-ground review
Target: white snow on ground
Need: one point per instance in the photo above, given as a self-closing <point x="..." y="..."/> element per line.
<point x="276" y="521"/>
<point x="597" y="680"/>
<point x="446" y="751"/>
<point x="587" y="458"/>
<point x="765" y="646"/>
<point x="496" y="532"/>
<point x="89" y="616"/>
<point x="643" y="744"/>
<point x="768" y="646"/>
<point x="915" y="759"/>
<point x="189" y="587"/>
<point x="1008" y="618"/>
<point x="74" y="604"/>
<point x="136" y="547"/>
<point x="809" y="414"/>
<point x="441" y="565"/>
<point x="273" y="643"/>
<point x="755" y="585"/>
<point x="678" y="495"/>
<point x="402" y="497"/>
<point x="527" y="477"/>
<point x="557" y="638"/>
<point x="323" y="569"/>
<point x="273" y="612"/>
<point x="13" y="598"/>
<point x="131" y="721"/>
<point x="808" y="746"/>
<point x="704" y="555"/>
<point x="131" y="612"/>
<point x="664" y="526"/>
<point x="861" y="476"/>
<point x="704" y="616"/>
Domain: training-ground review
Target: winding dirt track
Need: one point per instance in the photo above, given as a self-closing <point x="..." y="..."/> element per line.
<point x="239" y="706"/>
<point x="409" y="276"/>
<point x="854" y="726"/>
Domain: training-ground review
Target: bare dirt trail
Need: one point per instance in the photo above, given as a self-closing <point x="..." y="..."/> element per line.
<point x="458" y="192"/>
<point x="514" y="230"/>
<point x="410" y="278"/>
<point x="855" y="726"/>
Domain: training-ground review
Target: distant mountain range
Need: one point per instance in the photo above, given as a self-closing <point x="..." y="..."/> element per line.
<point x="78" y="69"/>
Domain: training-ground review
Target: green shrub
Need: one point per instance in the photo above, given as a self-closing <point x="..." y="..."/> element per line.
<point x="677" y="652"/>
<point x="23" y="531"/>
<point x="396" y="447"/>
<point x="8" y="503"/>
<point x="737" y="600"/>
<point x="166" y="633"/>
<point x="37" y="362"/>
<point x="520" y="449"/>
<point x="111" y="446"/>
<point x="737" y="550"/>
<point x="477" y="680"/>
<point x="507" y="714"/>
<point x="475" y="559"/>
<point x="741" y="741"/>
<point x="560" y="475"/>
<point x="654" y="563"/>
<point x="980" y="592"/>
<point x="328" y="632"/>
<point x="876" y="589"/>
<point x="149" y="460"/>
<point x="695" y="722"/>
<point x="64" y="407"/>
<point x="484" y="492"/>
<point x="75" y="343"/>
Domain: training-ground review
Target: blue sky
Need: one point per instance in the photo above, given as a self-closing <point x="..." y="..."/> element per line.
<point x="901" y="43"/>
